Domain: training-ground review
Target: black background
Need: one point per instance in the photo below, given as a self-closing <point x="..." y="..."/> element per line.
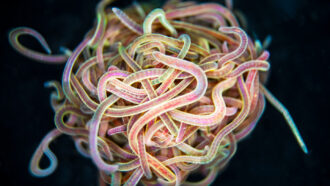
<point x="270" y="156"/>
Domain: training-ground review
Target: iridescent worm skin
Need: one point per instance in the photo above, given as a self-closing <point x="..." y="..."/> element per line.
<point x="157" y="13"/>
<point x="44" y="149"/>
<point x="287" y="117"/>
<point x="127" y="21"/>
<point x="215" y="144"/>
<point x="187" y="42"/>
<point x="13" y="39"/>
<point x="210" y="119"/>
<point x="153" y="95"/>
<point x="240" y="49"/>
<point x="203" y="8"/>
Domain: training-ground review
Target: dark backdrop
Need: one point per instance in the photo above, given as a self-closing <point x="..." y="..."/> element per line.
<point x="270" y="156"/>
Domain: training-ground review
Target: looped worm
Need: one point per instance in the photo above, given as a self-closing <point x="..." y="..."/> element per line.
<point x="47" y="58"/>
<point x="157" y="13"/>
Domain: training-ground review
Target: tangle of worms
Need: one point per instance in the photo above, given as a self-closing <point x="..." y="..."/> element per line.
<point x="153" y="95"/>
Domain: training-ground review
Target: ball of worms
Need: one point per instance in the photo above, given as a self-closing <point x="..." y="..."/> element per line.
<point x="152" y="95"/>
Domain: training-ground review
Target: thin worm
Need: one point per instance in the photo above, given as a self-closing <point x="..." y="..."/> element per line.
<point x="67" y="129"/>
<point x="47" y="58"/>
<point x="44" y="149"/>
<point x="211" y="119"/>
<point x="216" y="18"/>
<point x="99" y="49"/>
<point x="280" y="107"/>
<point x="68" y="72"/>
<point x="59" y="95"/>
<point x="139" y="9"/>
<point x="80" y="147"/>
<point x="200" y="9"/>
<point x="93" y="131"/>
<point x="248" y="66"/>
<point x="56" y="97"/>
<point x="101" y="22"/>
<point x="157" y="13"/>
<point x="203" y="31"/>
<point x="240" y="49"/>
<point x="127" y="21"/>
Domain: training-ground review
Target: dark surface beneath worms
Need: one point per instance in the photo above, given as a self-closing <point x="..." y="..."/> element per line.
<point x="269" y="156"/>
